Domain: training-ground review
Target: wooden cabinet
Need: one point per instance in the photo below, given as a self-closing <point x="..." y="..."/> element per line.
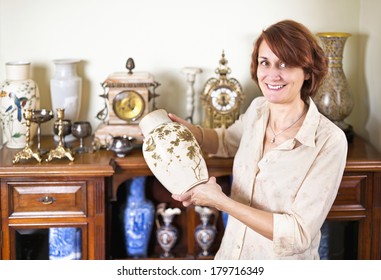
<point x="36" y="197"/>
<point x="84" y="194"/>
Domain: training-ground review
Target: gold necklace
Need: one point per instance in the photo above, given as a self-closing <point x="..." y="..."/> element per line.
<point x="291" y="125"/>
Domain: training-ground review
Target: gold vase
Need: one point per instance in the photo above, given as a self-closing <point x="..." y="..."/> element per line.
<point x="333" y="98"/>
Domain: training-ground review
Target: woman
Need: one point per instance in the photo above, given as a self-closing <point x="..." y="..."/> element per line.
<point x="288" y="158"/>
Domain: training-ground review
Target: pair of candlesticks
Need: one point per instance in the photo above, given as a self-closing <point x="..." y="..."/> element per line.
<point x="62" y="128"/>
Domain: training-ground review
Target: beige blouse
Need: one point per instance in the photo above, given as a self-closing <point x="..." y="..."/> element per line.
<point x="296" y="183"/>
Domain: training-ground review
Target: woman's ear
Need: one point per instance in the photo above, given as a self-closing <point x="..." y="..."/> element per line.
<point x="307" y="76"/>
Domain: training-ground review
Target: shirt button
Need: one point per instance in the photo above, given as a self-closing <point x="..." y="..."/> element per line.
<point x="238" y="247"/>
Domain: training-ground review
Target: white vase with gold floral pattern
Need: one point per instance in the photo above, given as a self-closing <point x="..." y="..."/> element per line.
<point x="172" y="153"/>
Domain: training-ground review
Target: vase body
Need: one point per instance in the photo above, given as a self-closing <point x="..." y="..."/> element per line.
<point x="205" y="233"/>
<point x="17" y="92"/>
<point x="66" y="90"/>
<point x="166" y="234"/>
<point x="333" y="98"/>
<point x="172" y="153"/>
<point x="65" y="244"/>
<point x="138" y="219"/>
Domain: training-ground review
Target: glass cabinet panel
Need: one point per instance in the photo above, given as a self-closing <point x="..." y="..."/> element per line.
<point x="53" y="243"/>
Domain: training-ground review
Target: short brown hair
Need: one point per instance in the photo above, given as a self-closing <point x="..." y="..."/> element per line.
<point x="294" y="44"/>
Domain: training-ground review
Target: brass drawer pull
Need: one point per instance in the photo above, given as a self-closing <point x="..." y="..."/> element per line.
<point x="46" y="200"/>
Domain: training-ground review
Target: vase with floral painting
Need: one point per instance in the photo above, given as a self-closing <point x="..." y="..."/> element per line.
<point x="17" y="93"/>
<point x="172" y="153"/>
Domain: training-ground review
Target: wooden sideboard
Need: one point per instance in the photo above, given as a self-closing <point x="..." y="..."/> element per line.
<point x="83" y="194"/>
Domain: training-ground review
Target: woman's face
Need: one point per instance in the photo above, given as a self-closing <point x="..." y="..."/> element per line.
<point x="279" y="83"/>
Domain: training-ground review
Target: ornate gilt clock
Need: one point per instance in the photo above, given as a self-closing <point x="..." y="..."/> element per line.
<point x="128" y="97"/>
<point x="222" y="98"/>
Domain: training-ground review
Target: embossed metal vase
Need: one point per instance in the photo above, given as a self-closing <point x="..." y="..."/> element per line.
<point x="333" y="98"/>
<point x="205" y="233"/>
<point x="172" y="153"/>
<point x="138" y="219"/>
<point x="17" y="92"/>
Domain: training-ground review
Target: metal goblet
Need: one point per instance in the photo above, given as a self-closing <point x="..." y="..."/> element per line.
<point x="40" y="116"/>
<point x="81" y="130"/>
<point x="66" y="129"/>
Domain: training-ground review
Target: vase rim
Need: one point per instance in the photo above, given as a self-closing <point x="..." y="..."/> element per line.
<point x="333" y="34"/>
<point x="66" y="61"/>
<point x="18" y="62"/>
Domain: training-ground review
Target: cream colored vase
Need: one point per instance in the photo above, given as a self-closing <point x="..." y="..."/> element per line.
<point x="18" y="92"/>
<point x="172" y="153"/>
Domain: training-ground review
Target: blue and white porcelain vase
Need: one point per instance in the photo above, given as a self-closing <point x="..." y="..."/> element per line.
<point x="138" y="219"/>
<point x="65" y="244"/>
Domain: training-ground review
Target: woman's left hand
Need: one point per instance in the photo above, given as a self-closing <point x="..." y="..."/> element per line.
<point x="208" y="194"/>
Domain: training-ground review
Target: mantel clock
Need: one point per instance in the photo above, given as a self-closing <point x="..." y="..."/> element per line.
<point x="128" y="97"/>
<point x="222" y="98"/>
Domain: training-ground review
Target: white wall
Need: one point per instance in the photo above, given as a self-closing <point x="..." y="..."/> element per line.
<point x="165" y="36"/>
<point x="366" y="115"/>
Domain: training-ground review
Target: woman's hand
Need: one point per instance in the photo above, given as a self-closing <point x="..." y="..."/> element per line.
<point x="208" y="194"/>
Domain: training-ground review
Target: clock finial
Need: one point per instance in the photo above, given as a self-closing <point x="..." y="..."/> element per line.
<point x="223" y="69"/>
<point x="130" y="64"/>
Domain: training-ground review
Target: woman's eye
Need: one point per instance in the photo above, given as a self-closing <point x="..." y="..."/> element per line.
<point x="263" y="63"/>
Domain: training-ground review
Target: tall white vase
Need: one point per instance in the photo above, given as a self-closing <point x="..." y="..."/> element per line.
<point x="66" y="90"/>
<point x="17" y="92"/>
<point x="172" y="153"/>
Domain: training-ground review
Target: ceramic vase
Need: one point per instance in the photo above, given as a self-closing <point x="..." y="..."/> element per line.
<point x="172" y="153"/>
<point x="333" y="98"/>
<point x="205" y="233"/>
<point x="17" y="92"/>
<point x="166" y="234"/>
<point x="138" y="219"/>
<point x="65" y="244"/>
<point x="66" y="90"/>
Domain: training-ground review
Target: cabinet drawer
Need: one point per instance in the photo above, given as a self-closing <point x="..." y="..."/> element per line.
<point x="47" y="199"/>
<point x="351" y="192"/>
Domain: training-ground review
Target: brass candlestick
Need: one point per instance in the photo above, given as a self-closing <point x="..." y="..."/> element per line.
<point x="60" y="151"/>
<point x="27" y="152"/>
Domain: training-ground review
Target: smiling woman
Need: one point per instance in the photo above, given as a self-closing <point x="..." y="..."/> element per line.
<point x="282" y="133"/>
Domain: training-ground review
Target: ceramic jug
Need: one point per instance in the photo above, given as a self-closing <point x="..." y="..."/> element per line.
<point x="172" y="153"/>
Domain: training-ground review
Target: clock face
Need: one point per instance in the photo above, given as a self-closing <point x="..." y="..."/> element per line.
<point x="223" y="99"/>
<point x="128" y="105"/>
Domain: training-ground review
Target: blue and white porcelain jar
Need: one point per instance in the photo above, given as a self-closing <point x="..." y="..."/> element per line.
<point x="138" y="219"/>
<point x="65" y="244"/>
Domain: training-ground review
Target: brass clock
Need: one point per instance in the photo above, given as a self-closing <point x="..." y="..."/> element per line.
<point x="128" y="97"/>
<point x="222" y="98"/>
<point x="128" y="105"/>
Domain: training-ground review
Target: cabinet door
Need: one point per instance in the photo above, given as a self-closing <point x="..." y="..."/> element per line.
<point x="30" y="242"/>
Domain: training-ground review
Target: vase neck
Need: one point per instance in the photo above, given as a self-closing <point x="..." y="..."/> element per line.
<point x="17" y="70"/>
<point x="153" y="120"/>
<point x="137" y="189"/>
<point x="66" y="70"/>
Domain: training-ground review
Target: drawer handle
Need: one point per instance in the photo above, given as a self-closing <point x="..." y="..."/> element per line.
<point x="46" y="200"/>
